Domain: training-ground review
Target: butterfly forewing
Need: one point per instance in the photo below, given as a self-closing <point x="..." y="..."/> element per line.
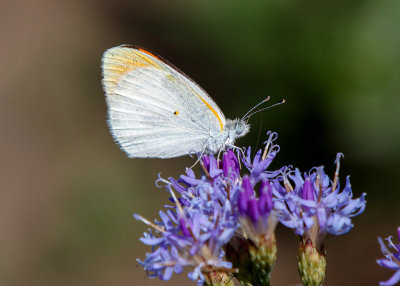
<point x="154" y="110"/>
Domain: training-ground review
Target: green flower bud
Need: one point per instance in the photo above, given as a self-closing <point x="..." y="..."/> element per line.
<point x="311" y="264"/>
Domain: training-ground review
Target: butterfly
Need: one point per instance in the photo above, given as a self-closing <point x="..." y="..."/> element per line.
<point x="156" y="111"/>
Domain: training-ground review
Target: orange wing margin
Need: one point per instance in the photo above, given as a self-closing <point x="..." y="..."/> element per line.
<point x="119" y="60"/>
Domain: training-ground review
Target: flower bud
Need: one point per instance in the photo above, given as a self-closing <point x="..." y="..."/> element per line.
<point x="311" y="264"/>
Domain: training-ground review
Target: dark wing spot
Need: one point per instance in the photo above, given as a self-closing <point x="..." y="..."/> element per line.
<point x="176" y="112"/>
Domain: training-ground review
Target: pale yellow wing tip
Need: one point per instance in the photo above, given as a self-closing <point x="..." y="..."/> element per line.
<point x="120" y="60"/>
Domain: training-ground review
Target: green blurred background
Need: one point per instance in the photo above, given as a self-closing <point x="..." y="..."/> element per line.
<point x="68" y="192"/>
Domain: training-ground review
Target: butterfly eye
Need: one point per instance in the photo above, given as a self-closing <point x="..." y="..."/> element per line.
<point x="240" y="127"/>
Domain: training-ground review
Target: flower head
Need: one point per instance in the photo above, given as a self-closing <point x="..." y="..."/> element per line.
<point x="315" y="205"/>
<point x="256" y="209"/>
<point x="190" y="234"/>
<point x="253" y="248"/>
<point x="391" y="251"/>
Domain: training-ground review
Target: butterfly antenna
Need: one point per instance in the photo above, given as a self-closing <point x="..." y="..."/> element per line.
<point x="254" y="107"/>
<point x="273" y="105"/>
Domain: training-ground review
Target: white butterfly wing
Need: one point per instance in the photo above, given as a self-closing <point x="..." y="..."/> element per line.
<point x="154" y="110"/>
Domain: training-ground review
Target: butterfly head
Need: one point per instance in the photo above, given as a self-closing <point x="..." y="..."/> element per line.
<point x="241" y="127"/>
<point x="237" y="128"/>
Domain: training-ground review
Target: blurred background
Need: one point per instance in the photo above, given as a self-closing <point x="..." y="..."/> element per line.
<point x="67" y="193"/>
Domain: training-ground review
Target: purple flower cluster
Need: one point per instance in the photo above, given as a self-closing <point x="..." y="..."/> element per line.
<point x="205" y="216"/>
<point x="223" y="206"/>
<point x="315" y="205"/>
<point x="392" y="258"/>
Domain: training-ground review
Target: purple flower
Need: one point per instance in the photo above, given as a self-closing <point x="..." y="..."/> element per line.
<point x="253" y="249"/>
<point x="256" y="212"/>
<point x="316" y="205"/>
<point x="188" y="237"/>
<point x="261" y="161"/>
<point x="392" y="258"/>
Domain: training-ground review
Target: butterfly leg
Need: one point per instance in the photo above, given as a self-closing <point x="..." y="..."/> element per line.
<point x="198" y="158"/>
<point x="219" y="153"/>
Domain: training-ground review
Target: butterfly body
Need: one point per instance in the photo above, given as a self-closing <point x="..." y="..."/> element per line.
<point x="154" y="110"/>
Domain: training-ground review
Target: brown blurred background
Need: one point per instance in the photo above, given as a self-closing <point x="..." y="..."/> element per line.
<point x="68" y="192"/>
